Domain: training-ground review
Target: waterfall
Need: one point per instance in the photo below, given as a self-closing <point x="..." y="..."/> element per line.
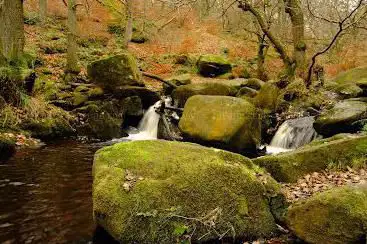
<point x="292" y="134"/>
<point x="148" y="126"/>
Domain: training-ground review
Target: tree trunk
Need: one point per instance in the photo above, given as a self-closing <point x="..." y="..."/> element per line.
<point x="129" y="24"/>
<point x="293" y="8"/>
<point x="261" y="73"/>
<point x="43" y="10"/>
<point x="72" y="57"/>
<point x="11" y="29"/>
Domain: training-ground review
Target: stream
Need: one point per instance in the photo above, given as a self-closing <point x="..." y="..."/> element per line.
<point x="46" y="195"/>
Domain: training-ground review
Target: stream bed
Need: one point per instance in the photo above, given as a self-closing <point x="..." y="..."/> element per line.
<point x="46" y="195"/>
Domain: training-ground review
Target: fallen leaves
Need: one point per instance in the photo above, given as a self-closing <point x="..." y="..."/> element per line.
<point x="322" y="181"/>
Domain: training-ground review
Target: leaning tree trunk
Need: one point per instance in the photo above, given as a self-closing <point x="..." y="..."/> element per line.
<point x="293" y="8"/>
<point x="43" y="10"/>
<point x="72" y="57"/>
<point x="11" y="29"/>
<point x="129" y="24"/>
<point x="277" y="44"/>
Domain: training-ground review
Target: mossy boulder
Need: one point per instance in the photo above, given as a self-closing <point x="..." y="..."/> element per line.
<point x="101" y="120"/>
<point x="230" y="121"/>
<point x="268" y="97"/>
<point x="246" y="92"/>
<point x="346" y="90"/>
<point x="168" y="192"/>
<point x="182" y="93"/>
<point x="178" y="80"/>
<point x="351" y="83"/>
<point x="49" y="128"/>
<point x="337" y="216"/>
<point x="254" y="83"/>
<point x="213" y="65"/>
<point x="341" y="117"/>
<point x="7" y="147"/>
<point x="139" y="37"/>
<point x="339" y="152"/>
<point x="148" y="97"/>
<point x="120" y="70"/>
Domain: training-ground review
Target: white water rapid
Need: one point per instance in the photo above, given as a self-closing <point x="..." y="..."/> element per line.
<point x="292" y="134"/>
<point x="148" y="126"/>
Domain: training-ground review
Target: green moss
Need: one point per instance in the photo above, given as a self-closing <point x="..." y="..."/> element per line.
<point x="332" y="153"/>
<point x="144" y="193"/>
<point x="79" y="98"/>
<point x="95" y="92"/>
<point x="337" y="216"/>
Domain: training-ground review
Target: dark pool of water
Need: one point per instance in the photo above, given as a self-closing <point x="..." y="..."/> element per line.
<point x="46" y="195"/>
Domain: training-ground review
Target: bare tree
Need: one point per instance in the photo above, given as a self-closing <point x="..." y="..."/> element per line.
<point x="11" y="29"/>
<point x="350" y="20"/>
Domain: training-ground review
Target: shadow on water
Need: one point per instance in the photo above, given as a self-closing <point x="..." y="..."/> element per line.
<point x="46" y="196"/>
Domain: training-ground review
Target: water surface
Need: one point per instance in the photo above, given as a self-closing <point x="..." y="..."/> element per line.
<point x="46" y="195"/>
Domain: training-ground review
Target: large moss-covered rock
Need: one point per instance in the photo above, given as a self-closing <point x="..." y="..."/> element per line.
<point x="182" y="93"/>
<point x="338" y="152"/>
<point x="213" y="65"/>
<point x="166" y="192"/>
<point x="120" y="70"/>
<point x="7" y="147"/>
<point x="341" y="117"/>
<point x="230" y="121"/>
<point x="337" y="216"/>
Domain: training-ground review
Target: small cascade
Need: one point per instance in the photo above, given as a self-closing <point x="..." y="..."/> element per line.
<point x="292" y="134"/>
<point x="148" y="126"/>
